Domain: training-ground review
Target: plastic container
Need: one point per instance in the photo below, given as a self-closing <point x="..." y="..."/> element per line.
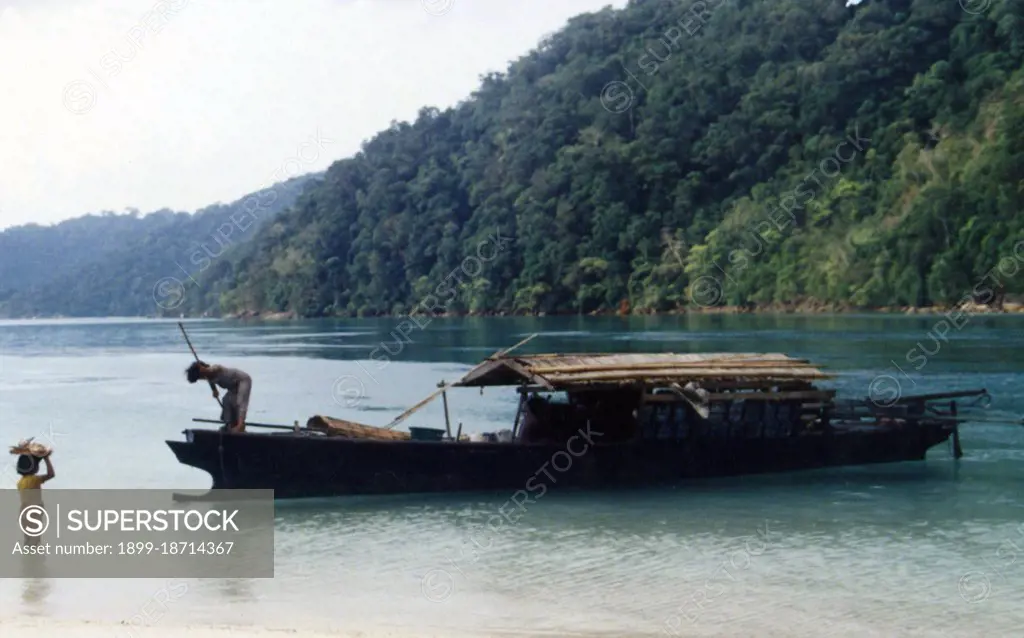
<point x="426" y="434"/>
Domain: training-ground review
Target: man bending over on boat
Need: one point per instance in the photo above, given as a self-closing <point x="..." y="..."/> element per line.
<point x="237" y="383"/>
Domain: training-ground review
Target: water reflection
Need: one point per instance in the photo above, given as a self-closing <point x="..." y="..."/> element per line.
<point x="35" y="586"/>
<point x="34" y="594"/>
<point x="236" y="590"/>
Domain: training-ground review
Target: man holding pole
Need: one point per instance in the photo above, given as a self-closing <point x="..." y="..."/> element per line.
<point x="238" y="385"/>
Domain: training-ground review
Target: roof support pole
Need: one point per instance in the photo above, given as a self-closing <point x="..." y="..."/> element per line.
<point x="519" y="412"/>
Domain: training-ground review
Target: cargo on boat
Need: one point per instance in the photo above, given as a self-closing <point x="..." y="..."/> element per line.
<point x="593" y="421"/>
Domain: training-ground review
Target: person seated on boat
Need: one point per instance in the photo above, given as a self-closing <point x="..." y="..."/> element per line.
<point x="238" y="385"/>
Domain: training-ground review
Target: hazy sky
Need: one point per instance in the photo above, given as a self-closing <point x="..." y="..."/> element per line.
<point x="115" y="104"/>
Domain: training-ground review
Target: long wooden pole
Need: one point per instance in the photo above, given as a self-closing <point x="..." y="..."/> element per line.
<point x="269" y="426"/>
<point x="401" y="417"/>
<point x="189" y="342"/>
<point x="938" y="396"/>
<point x="519" y="412"/>
<point x="961" y="419"/>
<point x="447" y="421"/>
<point x="502" y="353"/>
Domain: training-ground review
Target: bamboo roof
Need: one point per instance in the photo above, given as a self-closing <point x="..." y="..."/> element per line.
<point x="564" y="371"/>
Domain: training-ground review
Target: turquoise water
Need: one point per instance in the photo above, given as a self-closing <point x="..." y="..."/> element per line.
<point x="932" y="548"/>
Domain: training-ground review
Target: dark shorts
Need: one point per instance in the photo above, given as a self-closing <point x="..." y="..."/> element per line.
<point x="229" y="413"/>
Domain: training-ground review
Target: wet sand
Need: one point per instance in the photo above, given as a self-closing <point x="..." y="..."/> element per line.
<point x="25" y="627"/>
<point x="34" y="627"/>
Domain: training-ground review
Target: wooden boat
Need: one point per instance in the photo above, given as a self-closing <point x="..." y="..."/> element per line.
<point x="595" y="421"/>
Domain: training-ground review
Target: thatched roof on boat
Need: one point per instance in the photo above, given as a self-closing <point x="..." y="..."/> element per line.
<point x="565" y="371"/>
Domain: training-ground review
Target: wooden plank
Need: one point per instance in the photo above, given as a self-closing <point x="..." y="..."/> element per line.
<point x="801" y="395"/>
<point x="739" y="364"/>
<point x="673" y="356"/>
<point x="527" y="389"/>
<point x="756" y="396"/>
<point x="750" y="379"/>
<point x="529" y="376"/>
<point x="667" y="397"/>
<point x="659" y="357"/>
<point x="649" y="375"/>
<point x="760" y="385"/>
<point x="790" y="385"/>
<point x="682" y="356"/>
<point x="941" y="395"/>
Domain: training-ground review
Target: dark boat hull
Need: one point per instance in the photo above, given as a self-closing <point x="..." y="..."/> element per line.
<point x="302" y="465"/>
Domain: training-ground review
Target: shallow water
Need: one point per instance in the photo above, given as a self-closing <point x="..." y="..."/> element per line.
<point x="933" y="548"/>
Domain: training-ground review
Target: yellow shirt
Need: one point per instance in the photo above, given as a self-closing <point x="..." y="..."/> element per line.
<point x="31" y="482"/>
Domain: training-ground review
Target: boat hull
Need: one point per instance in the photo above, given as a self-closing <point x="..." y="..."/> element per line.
<point x="298" y="465"/>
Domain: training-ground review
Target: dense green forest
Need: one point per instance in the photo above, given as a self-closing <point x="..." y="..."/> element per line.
<point x="668" y="155"/>
<point x="129" y="264"/>
<point x="674" y="153"/>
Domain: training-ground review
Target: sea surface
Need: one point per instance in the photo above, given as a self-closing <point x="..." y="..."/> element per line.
<point x="929" y="548"/>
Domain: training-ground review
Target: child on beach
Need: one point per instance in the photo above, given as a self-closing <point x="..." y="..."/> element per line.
<point x="31" y="482"/>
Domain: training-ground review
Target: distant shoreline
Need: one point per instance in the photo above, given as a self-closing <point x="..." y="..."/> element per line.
<point x="775" y="309"/>
<point x="768" y="310"/>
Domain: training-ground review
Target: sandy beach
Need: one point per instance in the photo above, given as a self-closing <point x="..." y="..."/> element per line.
<point x="25" y="627"/>
<point x="34" y="627"/>
<point x="756" y="628"/>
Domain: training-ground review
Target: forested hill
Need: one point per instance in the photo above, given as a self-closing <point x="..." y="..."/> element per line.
<point x="127" y="264"/>
<point x="675" y="152"/>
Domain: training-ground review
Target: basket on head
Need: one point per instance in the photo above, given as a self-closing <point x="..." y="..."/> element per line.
<point x="29" y="448"/>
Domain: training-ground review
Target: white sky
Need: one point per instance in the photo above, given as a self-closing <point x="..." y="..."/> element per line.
<point x="219" y="95"/>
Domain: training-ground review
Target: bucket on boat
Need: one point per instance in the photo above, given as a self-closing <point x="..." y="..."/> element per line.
<point x="426" y="434"/>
